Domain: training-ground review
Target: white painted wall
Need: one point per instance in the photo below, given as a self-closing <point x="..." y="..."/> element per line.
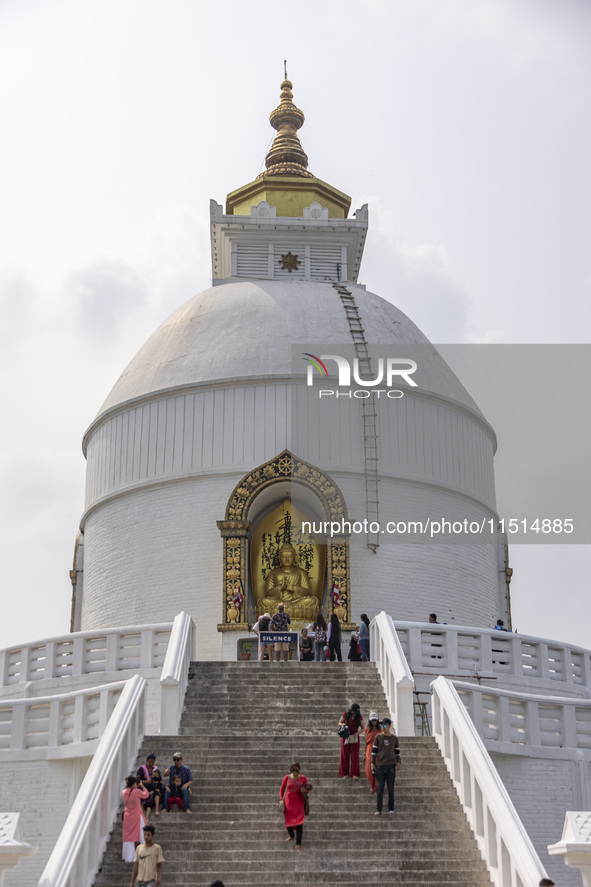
<point x="49" y="788"/>
<point x="166" y="538"/>
<point x="542" y="791"/>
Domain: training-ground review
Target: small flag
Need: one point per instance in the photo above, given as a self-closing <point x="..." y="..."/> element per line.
<point x="238" y="595"/>
<point x="334" y="593"/>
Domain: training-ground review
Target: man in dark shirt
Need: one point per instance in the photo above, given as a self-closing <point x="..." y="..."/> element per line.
<point x="385" y="761"/>
<point x="179" y="769"/>
<point x="280" y="622"/>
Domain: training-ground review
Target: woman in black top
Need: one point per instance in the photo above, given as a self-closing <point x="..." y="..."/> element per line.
<point x="334" y="638"/>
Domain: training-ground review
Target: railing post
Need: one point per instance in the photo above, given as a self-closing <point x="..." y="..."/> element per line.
<point x="26" y="664"/>
<point x="146" y="649"/>
<point x="78" y="663"/>
<point x="17" y="728"/>
<point x="405" y="707"/>
<point x="175" y="670"/>
<point x="486" y="651"/>
<point x="4" y="660"/>
<point x="53" y="732"/>
<point x="451" y="649"/>
<point x="516" y="656"/>
<point x="112" y="651"/>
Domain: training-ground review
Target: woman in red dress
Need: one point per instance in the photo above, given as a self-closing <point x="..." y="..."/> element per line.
<point x="371" y="731"/>
<point x="292" y="794"/>
<point x="350" y="746"/>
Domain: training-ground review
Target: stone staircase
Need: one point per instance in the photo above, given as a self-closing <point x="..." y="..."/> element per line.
<point x="244" y="723"/>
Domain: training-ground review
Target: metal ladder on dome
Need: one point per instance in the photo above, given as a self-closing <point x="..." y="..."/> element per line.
<point x="369" y="414"/>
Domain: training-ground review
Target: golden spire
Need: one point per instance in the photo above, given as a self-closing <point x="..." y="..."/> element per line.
<point x="287" y="157"/>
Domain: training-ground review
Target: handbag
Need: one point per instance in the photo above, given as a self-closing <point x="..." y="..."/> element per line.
<point x="343" y="732"/>
<point x="281" y="806"/>
<point x="305" y="790"/>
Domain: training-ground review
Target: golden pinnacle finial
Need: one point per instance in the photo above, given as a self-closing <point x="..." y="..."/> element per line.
<point x="287" y="157"/>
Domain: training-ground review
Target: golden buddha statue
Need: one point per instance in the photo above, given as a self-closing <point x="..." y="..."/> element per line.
<point x="290" y="584"/>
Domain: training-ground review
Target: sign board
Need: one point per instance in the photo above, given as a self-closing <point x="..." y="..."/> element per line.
<point x="279" y="637"/>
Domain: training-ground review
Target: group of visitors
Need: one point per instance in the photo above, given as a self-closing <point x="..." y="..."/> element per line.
<point x="381" y="753"/>
<point x="145" y="791"/>
<point x="381" y="758"/>
<point x="321" y="643"/>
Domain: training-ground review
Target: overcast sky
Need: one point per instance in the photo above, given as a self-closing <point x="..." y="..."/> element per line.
<point x="463" y="123"/>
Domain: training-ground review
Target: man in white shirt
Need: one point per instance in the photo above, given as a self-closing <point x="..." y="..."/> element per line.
<point x="147" y="865"/>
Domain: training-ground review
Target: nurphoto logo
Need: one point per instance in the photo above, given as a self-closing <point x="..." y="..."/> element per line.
<point x="389" y="370"/>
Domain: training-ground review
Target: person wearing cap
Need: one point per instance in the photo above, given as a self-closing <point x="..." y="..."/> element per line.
<point x="280" y="622"/>
<point x="147" y="864"/>
<point x="179" y="769"/>
<point x="264" y="625"/>
<point x="385" y="761"/>
<point x="350" y="746"/>
<point x="371" y="731"/>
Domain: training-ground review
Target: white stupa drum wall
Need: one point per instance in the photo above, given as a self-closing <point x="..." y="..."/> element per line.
<point x="212" y="395"/>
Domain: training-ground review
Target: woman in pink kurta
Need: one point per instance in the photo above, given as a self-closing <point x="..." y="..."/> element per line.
<point x="133" y="817"/>
<point x="292" y="794"/>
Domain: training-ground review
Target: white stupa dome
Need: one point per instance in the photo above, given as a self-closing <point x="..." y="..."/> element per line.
<point x="246" y="330"/>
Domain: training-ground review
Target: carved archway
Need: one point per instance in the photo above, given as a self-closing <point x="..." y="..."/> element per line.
<point x="235" y="529"/>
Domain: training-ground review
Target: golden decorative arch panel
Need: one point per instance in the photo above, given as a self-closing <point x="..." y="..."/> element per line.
<point x="236" y="527"/>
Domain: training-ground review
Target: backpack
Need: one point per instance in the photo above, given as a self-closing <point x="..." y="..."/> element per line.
<point x="320" y="636"/>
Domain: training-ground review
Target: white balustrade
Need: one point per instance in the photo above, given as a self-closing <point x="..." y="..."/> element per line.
<point x="56" y="726"/>
<point x="502" y="840"/>
<point x="86" y="652"/>
<point x="506" y="718"/>
<point x="12" y="846"/>
<point x="575" y="844"/>
<point x="393" y="669"/>
<point x="79" y="850"/>
<point x="457" y="650"/>
<point x="175" y="673"/>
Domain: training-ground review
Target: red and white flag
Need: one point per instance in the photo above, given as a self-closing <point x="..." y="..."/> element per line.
<point x="238" y="594"/>
<point x="334" y="593"/>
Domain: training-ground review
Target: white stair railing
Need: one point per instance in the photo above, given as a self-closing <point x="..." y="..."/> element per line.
<point x="175" y="673"/>
<point x="502" y="839"/>
<point x="79" y="850"/>
<point x="86" y="652"/>
<point x="454" y="650"/>
<point x="394" y="671"/>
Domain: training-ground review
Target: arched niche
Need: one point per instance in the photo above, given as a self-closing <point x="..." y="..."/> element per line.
<point x="259" y="491"/>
